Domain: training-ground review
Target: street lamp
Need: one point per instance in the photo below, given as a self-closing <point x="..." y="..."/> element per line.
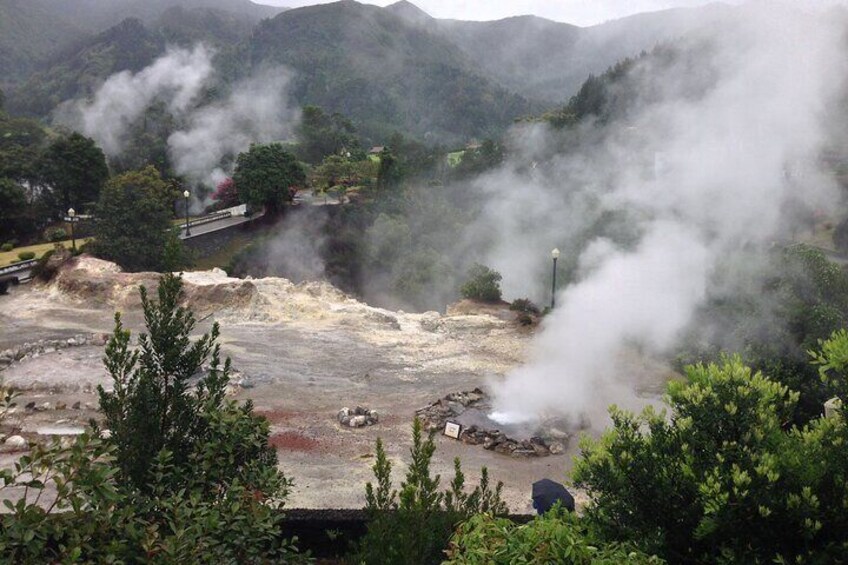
<point x="72" y="214"/>
<point x="186" y="194"/>
<point x="554" y="256"/>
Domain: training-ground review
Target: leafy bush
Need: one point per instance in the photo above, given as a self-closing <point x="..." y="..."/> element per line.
<point x="26" y="255"/>
<point x="555" y="537"/>
<point x="55" y="234"/>
<point x="6" y="247"/>
<point x="524" y="305"/>
<point x="722" y="480"/>
<point x="413" y="526"/>
<point x="119" y="500"/>
<point x="483" y="284"/>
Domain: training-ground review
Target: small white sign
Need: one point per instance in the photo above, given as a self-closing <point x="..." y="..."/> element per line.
<point x="452" y="430"/>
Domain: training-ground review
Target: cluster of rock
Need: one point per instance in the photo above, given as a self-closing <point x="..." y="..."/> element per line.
<point x="44" y="406"/>
<point x="495" y="440"/>
<point x="447" y="409"/>
<point x="436" y="415"/>
<point x="358" y="417"/>
<point x="42" y="346"/>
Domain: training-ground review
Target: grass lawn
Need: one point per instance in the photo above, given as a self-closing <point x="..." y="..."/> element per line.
<point x="7" y="257"/>
<point x="455" y="157"/>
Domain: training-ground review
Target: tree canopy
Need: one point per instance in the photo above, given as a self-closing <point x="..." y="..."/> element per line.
<point x="265" y="174"/>
<point x="76" y="169"/>
<point x="133" y="227"/>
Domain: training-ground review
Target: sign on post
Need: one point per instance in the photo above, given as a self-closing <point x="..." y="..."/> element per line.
<point x="452" y="430"/>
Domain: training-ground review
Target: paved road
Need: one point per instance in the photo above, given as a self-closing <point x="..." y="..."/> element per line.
<point x="222" y="224"/>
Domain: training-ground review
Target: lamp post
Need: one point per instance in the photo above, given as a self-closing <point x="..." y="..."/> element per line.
<point x="186" y="194"/>
<point x="72" y="214"/>
<point x="554" y="256"/>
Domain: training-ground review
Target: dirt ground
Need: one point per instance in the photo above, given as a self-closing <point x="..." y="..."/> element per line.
<point x="304" y="352"/>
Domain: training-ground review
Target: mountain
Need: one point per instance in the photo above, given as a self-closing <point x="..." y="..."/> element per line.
<point x="384" y="72"/>
<point x="548" y="61"/>
<point x="97" y="15"/>
<point x="28" y="33"/>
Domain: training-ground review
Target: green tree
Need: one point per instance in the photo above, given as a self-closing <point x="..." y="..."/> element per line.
<point x="13" y="210"/>
<point x="133" y="228"/>
<point x="722" y="479"/>
<point x="412" y="526"/>
<point x="390" y="174"/>
<point x="75" y="169"/>
<point x="321" y="135"/>
<point x="115" y="500"/>
<point x="265" y="174"/>
<point x="483" y="284"/>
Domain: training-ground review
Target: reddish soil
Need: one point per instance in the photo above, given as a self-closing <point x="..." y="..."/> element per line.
<point x="293" y="441"/>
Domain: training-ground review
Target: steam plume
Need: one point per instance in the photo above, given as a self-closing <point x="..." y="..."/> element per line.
<point x="730" y="155"/>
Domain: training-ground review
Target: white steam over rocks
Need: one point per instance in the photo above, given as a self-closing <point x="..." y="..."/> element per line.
<point x="255" y="110"/>
<point x="730" y="157"/>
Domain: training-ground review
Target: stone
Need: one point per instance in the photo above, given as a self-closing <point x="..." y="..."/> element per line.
<point x="61" y="406"/>
<point x="556" y="448"/>
<point x="16" y="442"/>
<point x="44" y="406"/>
<point x="374" y="416"/>
<point x="357" y="422"/>
<point x="30" y="406"/>
<point x="76" y="405"/>
<point x="343" y="413"/>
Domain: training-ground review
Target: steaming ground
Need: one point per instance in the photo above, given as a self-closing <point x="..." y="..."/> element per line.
<point x="305" y="351"/>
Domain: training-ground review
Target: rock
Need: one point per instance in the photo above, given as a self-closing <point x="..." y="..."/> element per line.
<point x="44" y="406"/>
<point x="76" y="405"/>
<point x="343" y="413"/>
<point x="72" y="341"/>
<point x="374" y="416"/>
<point x="357" y="422"/>
<point x="61" y="406"/>
<point x="30" y="406"/>
<point x="556" y="448"/>
<point x="431" y="321"/>
<point x="16" y="441"/>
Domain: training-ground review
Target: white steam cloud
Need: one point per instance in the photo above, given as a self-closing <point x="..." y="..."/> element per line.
<point x="256" y="110"/>
<point x="730" y="158"/>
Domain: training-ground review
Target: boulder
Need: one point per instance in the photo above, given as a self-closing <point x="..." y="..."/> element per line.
<point x="16" y="442"/>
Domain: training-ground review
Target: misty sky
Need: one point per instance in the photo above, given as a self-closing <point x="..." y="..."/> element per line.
<point x="579" y="12"/>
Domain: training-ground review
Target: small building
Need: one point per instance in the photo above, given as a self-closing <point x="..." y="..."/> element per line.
<point x="376" y="150"/>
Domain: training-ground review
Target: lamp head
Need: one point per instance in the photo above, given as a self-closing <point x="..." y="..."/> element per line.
<point x="186" y="194"/>
<point x="555" y="253"/>
<point x="72" y="212"/>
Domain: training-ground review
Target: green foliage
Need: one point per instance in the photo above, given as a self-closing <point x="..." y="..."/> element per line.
<point x="75" y="168"/>
<point x="556" y="537"/>
<point x="524" y="305"/>
<point x="153" y="409"/>
<point x="413" y="525"/>
<point x="13" y="209"/>
<point x="115" y="501"/>
<point x="800" y="299"/>
<point x="26" y="255"/>
<point x="390" y="174"/>
<point x="321" y="135"/>
<point x="722" y="479"/>
<point x="483" y="284"/>
<point x="133" y="228"/>
<point x="6" y="247"/>
<point x="265" y="174"/>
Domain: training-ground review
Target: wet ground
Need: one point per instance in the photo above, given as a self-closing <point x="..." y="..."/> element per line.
<point x="304" y="356"/>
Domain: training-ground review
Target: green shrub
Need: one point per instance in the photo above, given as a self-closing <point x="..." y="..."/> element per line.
<point x="483" y="284"/>
<point x="556" y="537"/>
<point x="524" y="305"/>
<point x="55" y="234"/>
<point x="413" y="526"/>
<point x="6" y="247"/>
<point x="26" y="255"/>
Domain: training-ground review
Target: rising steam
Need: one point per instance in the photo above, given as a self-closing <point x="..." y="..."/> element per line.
<point x="697" y="172"/>
<point x="256" y="110"/>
